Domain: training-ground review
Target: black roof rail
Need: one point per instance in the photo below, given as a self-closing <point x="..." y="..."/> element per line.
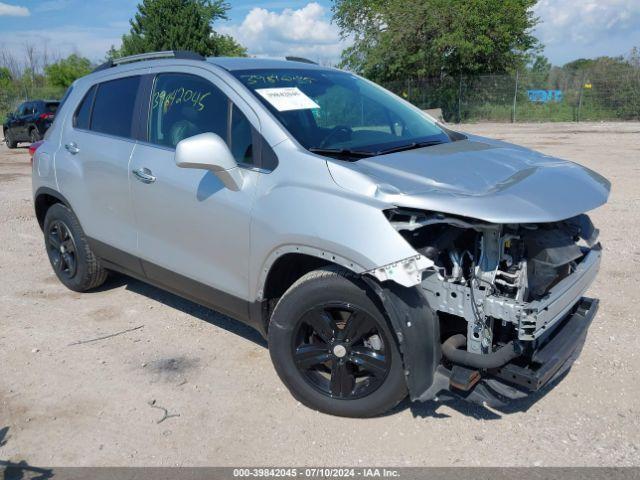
<point x="179" y="54"/>
<point x="300" y="59"/>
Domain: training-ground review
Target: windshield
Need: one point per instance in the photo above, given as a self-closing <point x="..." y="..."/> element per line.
<point x="337" y="112"/>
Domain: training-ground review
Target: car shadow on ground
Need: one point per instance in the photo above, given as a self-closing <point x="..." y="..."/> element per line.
<point x="4" y="436"/>
<point x="22" y="470"/>
<point x="183" y="305"/>
<point x="430" y="408"/>
<point x="19" y="470"/>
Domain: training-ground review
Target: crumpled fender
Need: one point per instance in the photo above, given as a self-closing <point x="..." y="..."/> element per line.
<point x="417" y="329"/>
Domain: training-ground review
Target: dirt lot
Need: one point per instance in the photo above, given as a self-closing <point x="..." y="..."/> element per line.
<point x="89" y="404"/>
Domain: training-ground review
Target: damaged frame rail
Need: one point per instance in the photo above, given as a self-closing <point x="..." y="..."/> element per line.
<point x="553" y="327"/>
<point x="532" y="319"/>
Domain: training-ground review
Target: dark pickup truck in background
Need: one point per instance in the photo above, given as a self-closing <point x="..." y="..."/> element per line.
<point x="30" y="122"/>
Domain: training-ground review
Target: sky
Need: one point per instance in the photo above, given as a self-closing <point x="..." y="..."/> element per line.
<point x="569" y="29"/>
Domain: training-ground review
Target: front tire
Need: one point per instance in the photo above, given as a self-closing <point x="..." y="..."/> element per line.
<point x="9" y="140"/>
<point x="332" y="346"/>
<point x="69" y="253"/>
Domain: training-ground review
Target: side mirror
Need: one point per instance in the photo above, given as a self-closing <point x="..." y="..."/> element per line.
<point x="210" y="152"/>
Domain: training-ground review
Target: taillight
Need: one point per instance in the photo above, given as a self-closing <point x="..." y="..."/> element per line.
<point x="44" y="116"/>
<point x="33" y="147"/>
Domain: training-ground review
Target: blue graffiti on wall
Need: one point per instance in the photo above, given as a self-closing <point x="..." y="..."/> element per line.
<point x="544" y="96"/>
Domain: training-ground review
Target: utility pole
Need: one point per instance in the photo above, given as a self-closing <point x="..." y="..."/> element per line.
<point x="580" y="97"/>
<point x="460" y="101"/>
<point x="515" y="98"/>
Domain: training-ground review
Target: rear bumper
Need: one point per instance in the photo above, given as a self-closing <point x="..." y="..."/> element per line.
<point x="547" y="361"/>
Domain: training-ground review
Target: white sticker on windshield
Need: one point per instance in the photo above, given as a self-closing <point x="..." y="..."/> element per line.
<point x="285" y="99"/>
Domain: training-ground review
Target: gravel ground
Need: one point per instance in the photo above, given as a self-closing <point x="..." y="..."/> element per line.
<point x="90" y="404"/>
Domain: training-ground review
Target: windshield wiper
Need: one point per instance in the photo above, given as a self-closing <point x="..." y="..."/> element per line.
<point x="409" y="146"/>
<point x="342" y="152"/>
<point x="347" y="152"/>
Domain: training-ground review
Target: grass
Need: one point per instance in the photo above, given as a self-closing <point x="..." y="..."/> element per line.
<point x="531" y="112"/>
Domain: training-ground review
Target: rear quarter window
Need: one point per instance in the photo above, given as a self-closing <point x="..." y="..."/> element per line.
<point x="65" y="96"/>
<point x="114" y="105"/>
<point x="83" y="113"/>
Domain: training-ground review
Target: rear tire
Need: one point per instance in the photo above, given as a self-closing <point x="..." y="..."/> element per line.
<point x="9" y="140"/>
<point x="34" y="135"/>
<point x="69" y="253"/>
<point x="332" y="347"/>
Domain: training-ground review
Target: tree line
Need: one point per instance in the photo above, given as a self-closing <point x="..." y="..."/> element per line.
<point x="390" y="41"/>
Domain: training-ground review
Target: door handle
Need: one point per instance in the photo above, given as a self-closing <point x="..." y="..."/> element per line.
<point x="72" y="148"/>
<point x="144" y="175"/>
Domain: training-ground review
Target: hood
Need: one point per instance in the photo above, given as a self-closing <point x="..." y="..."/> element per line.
<point x="477" y="178"/>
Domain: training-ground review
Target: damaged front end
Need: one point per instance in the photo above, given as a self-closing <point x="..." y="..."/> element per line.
<point x="508" y="300"/>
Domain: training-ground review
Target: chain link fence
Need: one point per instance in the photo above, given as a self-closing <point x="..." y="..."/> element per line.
<point x="527" y="97"/>
<point x="523" y="97"/>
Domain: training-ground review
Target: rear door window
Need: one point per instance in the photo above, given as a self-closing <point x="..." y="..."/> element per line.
<point x="113" y="107"/>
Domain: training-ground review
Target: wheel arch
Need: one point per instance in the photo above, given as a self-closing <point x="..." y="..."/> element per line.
<point x="285" y="266"/>
<point x="412" y="322"/>
<point x="43" y="199"/>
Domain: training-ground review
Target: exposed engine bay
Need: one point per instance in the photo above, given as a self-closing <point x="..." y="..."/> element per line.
<point x="500" y="285"/>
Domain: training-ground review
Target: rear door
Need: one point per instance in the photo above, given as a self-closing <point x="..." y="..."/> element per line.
<point x="193" y="232"/>
<point x="19" y="127"/>
<point x="97" y="144"/>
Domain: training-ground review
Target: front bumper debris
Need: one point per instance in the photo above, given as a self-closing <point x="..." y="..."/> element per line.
<point x="550" y="358"/>
<point x="556" y="355"/>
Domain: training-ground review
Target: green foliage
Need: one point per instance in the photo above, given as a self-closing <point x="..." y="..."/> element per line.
<point x="5" y="79"/>
<point x="178" y="25"/>
<point x="619" y="82"/>
<point x="541" y="67"/>
<point x="395" y="39"/>
<point x="64" y="72"/>
<point x="606" y="88"/>
<point x="113" y="53"/>
<point x="580" y="64"/>
<point x="226" y="46"/>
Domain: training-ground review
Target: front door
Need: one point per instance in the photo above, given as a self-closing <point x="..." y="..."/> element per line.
<point x="193" y="233"/>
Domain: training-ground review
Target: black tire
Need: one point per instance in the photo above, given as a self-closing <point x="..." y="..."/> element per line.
<point x="9" y="140"/>
<point x="34" y="135"/>
<point x="69" y="253"/>
<point x="334" y="288"/>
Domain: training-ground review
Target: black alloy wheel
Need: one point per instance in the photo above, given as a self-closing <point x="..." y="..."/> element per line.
<point x="332" y="346"/>
<point x="340" y="350"/>
<point x="62" y="249"/>
<point x="69" y="252"/>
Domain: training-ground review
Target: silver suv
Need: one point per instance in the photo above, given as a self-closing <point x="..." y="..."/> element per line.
<point x="381" y="253"/>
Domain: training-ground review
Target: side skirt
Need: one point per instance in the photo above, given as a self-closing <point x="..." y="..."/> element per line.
<point x="230" y="305"/>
